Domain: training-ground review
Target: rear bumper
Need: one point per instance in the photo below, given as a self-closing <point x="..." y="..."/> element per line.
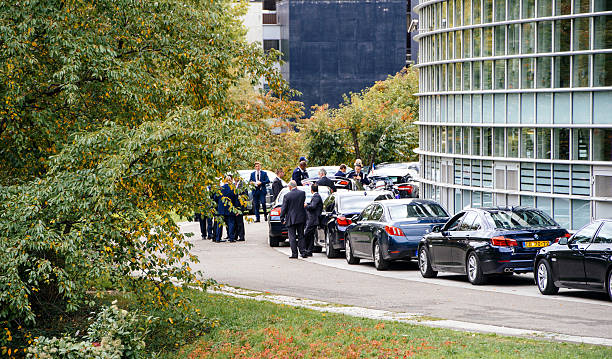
<point x="277" y="229"/>
<point x="506" y="261"/>
<point x="400" y="250"/>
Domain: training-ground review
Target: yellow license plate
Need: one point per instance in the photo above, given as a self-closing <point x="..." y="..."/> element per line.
<point x="533" y="244"/>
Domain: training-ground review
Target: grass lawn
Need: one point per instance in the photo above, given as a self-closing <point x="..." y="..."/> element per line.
<point x="252" y="329"/>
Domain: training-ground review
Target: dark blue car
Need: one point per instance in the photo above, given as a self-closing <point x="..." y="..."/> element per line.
<point x="483" y="241"/>
<point x="391" y="230"/>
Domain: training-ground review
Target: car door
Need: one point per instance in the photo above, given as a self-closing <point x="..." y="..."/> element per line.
<point x="459" y="241"/>
<point x="358" y="235"/>
<point x="324" y="219"/>
<point x="372" y="229"/>
<point x="597" y="257"/>
<point x="441" y="249"/>
<point x="570" y="259"/>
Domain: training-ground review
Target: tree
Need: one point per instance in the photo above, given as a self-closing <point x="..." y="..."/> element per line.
<point x="377" y="124"/>
<point x="114" y="114"/>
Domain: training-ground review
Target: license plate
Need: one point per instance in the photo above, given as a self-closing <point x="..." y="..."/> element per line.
<point x="533" y="244"/>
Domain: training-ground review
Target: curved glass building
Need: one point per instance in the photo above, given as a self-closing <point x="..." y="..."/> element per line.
<point x="516" y="105"/>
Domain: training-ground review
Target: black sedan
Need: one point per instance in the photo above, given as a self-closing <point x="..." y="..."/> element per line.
<point x="338" y="210"/>
<point x="584" y="261"/>
<point x="402" y="175"/>
<point x="277" y="231"/>
<point x="339" y="182"/>
<point x="390" y="230"/>
<point x="484" y="241"/>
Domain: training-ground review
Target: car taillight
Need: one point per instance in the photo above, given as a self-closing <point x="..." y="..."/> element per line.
<point x="407" y="188"/>
<point x="343" y="183"/>
<point x="566" y="235"/>
<point x="343" y="221"/>
<point x="275" y="212"/>
<point x="504" y="242"/>
<point x="394" y="231"/>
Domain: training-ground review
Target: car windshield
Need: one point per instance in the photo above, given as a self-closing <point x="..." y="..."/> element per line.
<point x="355" y="204"/>
<point x="420" y="210"/>
<point x="521" y="219"/>
<point x="323" y="192"/>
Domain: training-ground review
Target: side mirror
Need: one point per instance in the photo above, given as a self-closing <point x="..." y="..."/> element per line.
<point x="563" y="241"/>
<point x="436" y="229"/>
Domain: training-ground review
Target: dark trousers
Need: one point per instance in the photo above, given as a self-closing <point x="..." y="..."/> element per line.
<point x="309" y="237"/>
<point x="296" y="239"/>
<point x="230" y="221"/>
<point x="204" y="223"/>
<point x="259" y="197"/>
<point x="240" y="227"/>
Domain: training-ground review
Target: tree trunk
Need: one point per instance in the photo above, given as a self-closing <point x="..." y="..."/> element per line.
<point x="355" y="142"/>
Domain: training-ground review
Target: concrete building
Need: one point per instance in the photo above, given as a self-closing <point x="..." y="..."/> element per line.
<point x="516" y="105"/>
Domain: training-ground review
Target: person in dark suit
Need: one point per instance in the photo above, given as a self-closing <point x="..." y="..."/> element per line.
<point x="324" y="181"/>
<point x="299" y="173"/>
<point x="260" y="180"/>
<point x="341" y="171"/>
<point x="240" y="190"/>
<point x="293" y="215"/>
<point x="206" y="225"/>
<point x="277" y="184"/>
<point x="313" y="212"/>
<point x="358" y="175"/>
<point x="226" y="201"/>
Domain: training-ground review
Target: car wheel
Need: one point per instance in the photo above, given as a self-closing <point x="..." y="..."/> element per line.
<point x="544" y="280"/>
<point x="329" y="250"/>
<point x="425" y="264"/>
<point x="474" y="270"/>
<point x="610" y="284"/>
<point x="379" y="262"/>
<point x="274" y="242"/>
<point x="350" y="258"/>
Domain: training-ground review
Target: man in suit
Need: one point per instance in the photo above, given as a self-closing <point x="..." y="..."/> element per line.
<point x="358" y="175"/>
<point x="341" y="171"/>
<point x="260" y="180"/>
<point x="205" y="222"/>
<point x="324" y="181"/>
<point x="240" y="191"/>
<point x="313" y="212"/>
<point x="293" y="215"/>
<point x="226" y="200"/>
<point x="299" y="173"/>
<point x="277" y="184"/>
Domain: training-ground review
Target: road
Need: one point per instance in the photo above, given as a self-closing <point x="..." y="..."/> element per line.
<point x="511" y="302"/>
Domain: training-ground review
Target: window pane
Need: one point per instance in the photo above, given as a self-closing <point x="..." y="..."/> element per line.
<point x="545" y="36"/>
<point x="581" y="6"/>
<point x="449" y="139"/>
<point x="527" y="177"/>
<point x="467" y="41"/>
<point x="500" y="40"/>
<point x="528" y="9"/>
<point x="528" y="142"/>
<point x="500" y="10"/>
<point x="543" y="180"/>
<point x="581" y="71"/>
<point x="487" y="108"/>
<point x="513" y="39"/>
<point x="562" y="35"/>
<point x="603" y="32"/>
<point x="581" y="107"/>
<point x="467" y="12"/>
<point x="561" y="144"/>
<point x="451" y="12"/>
<point x="476" y="42"/>
<point x="544" y="108"/>
<point x="581" y="215"/>
<point x="476" y="141"/>
<point x="476" y="108"/>
<point x="476" y="11"/>
<point x="602" y="144"/>
<point x="499" y="142"/>
<point x="458" y="41"/>
<point x="561" y="212"/>
<point x="527" y="68"/>
<point x="581" y="144"/>
<point x="458" y="138"/>
<point x="513" y="142"/>
<point x="487" y="49"/>
<point x="458" y="12"/>
<point x="544" y="71"/>
<point x="581" y="33"/>
<point x="528" y="38"/>
<point x="457" y="76"/>
<point x="562" y="107"/>
<point x="466" y="76"/>
<point x="527" y="108"/>
<point x="487" y="75"/>
<point x="561" y="179"/>
<point x="602" y="71"/>
<point x="513" y="11"/>
<point x="513" y="73"/>
<point x="487" y="141"/>
<point x="544" y="8"/>
<point x="544" y="205"/>
<point x="581" y="180"/>
<point x="500" y="74"/>
<point x="476" y="75"/>
<point x="603" y="5"/>
<point x="543" y="143"/>
<point x="563" y="7"/>
<point x="562" y="71"/>
<point x="500" y="108"/>
<point x="487" y="7"/>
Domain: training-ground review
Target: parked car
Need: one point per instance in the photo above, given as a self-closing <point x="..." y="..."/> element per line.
<point x="341" y="183"/>
<point x="313" y="172"/>
<point x="338" y="210"/>
<point x="246" y="175"/>
<point x="483" y="241"/>
<point x="391" y="230"/>
<point x="402" y="174"/>
<point x="277" y="231"/>
<point x="582" y="261"/>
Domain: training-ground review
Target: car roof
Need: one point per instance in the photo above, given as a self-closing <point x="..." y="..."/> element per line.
<point x="360" y="193"/>
<point x="502" y="208"/>
<point x="406" y="201"/>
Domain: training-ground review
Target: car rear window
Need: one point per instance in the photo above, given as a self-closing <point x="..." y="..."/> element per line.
<point x="323" y="192"/>
<point x="521" y="219"/>
<point x="354" y="204"/>
<point x="420" y="210"/>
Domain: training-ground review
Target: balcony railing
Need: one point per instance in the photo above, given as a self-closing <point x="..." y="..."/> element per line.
<point x="269" y="19"/>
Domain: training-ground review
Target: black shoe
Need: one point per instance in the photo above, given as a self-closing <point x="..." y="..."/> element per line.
<point x="232" y="241"/>
<point x="211" y="239"/>
<point x="222" y="240"/>
<point x="304" y="256"/>
<point x="241" y="240"/>
<point x="308" y="254"/>
<point x="292" y="257"/>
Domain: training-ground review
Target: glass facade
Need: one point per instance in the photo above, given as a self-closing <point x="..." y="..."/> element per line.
<point x="516" y="105"/>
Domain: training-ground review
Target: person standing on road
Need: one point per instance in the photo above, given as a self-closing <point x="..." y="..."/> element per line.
<point x="313" y="212"/>
<point x="341" y="171"/>
<point x="299" y="173"/>
<point x="357" y="175"/>
<point x="206" y="225"/>
<point x="325" y="181"/>
<point x="277" y="184"/>
<point x="260" y="180"/>
<point x="293" y="215"/>
<point x="240" y="194"/>
<point x="226" y="201"/>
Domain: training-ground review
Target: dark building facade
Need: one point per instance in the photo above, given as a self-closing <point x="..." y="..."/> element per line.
<point x="333" y="47"/>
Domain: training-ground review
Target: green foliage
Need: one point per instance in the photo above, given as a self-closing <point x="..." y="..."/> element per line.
<point x="376" y="125"/>
<point x="114" y="115"/>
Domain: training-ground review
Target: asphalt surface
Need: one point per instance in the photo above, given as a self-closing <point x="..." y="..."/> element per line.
<point x="510" y="301"/>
